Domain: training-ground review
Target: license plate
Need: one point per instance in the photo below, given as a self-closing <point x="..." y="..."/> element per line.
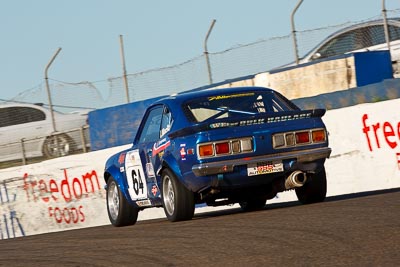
<point x="265" y="167"/>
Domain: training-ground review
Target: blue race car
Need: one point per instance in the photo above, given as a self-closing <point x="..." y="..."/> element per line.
<point x="221" y="146"/>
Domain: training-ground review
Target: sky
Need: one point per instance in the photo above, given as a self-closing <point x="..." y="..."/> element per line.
<point x="156" y="33"/>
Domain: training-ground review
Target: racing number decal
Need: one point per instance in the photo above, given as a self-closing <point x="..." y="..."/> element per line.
<point x="137" y="181"/>
<point x="135" y="176"/>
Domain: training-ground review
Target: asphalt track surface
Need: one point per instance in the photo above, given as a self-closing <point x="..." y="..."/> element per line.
<point x="352" y="230"/>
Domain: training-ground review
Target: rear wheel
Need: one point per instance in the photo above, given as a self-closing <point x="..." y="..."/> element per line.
<point x="178" y="202"/>
<point x="254" y="203"/>
<point x="120" y="212"/>
<point x="314" y="190"/>
<point x="57" y="145"/>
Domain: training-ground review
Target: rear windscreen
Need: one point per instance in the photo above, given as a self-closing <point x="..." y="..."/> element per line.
<point x="236" y="104"/>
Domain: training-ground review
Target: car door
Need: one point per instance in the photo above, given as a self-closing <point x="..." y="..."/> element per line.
<point x="17" y="123"/>
<point x="144" y="160"/>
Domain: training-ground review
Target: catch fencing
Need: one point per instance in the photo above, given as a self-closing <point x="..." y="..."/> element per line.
<point x="241" y="60"/>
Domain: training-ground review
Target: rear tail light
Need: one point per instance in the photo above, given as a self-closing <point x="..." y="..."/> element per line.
<point x="303" y="137"/>
<point x="206" y="150"/>
<point x="222" y="148"/>
<point x="290" y="139"/>
<point x="236" y="146"/>
<point x="246" y="145"/>
<point x="318" y="136"/>
<point x="225" y="147"/>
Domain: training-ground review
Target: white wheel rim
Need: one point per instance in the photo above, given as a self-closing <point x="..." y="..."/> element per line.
<point x="59" y="147"/>
<point x="113" y="201"/>
<point x="168" y="195"/>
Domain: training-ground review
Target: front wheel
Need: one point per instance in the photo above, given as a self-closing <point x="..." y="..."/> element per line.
<point x="314" y="190"/>
<point x="178" y="202"/>
<point x="120" y="212"/>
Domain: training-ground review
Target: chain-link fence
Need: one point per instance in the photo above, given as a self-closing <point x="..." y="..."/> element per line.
<point x="242" y="60"/>
<point x="238" y="61"/>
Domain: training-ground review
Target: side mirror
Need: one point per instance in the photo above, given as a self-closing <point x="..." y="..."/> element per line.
<point x="316" y="56"/>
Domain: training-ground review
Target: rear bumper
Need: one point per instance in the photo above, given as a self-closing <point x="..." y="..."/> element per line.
<point x="226" y="166"/>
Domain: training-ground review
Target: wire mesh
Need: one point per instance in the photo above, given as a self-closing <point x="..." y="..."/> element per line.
<point x="239" y="61"/>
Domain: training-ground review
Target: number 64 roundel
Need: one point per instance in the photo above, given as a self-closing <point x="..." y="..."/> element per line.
<point x="135" y="175"/>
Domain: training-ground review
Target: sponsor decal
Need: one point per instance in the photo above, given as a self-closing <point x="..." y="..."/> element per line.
<point x="264" y="168"/>
<point x="398" y="160"/>
<point x="121" y="158"/>
<point x="10" y="225"/>
<point x="143" y="203"/>
<point x="121" y="169"/>
<point x="223" y="124"/>
<point x="220" y="97"/>
<point x="183" y="151"/>
<point x="154" y="190"/>
<point x="150" y="170"/>
<point x="133" y="157"/>
<point x="273" y="119"/>
<point x="160" y="146"/>
<point x="61" y="196"/>
<point x="382" y="135"/>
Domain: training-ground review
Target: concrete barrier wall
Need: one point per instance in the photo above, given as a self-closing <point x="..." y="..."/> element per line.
<point x="324" y="76"/>
<point x="67" y="193"/>
<point x="314" y="79"/>
<point x="386" y="90"/>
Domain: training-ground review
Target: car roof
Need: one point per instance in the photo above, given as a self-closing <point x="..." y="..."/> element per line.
<point x="391" y="21"/>
<point x="187" y="95"/>
<point x="18" y="104"/>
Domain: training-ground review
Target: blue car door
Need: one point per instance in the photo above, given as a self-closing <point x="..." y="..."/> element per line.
<point x="149" y="147"/>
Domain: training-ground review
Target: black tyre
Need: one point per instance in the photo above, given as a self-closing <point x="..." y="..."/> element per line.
<point x="57" y="145"/>
<point x="252" y="204"/>
<point x="119" y="211"/>
<point x="314" y="190"/>
<point x="178" y="202"/>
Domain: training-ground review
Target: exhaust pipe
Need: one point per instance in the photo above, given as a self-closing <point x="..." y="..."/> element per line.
<point x="295" y="179"/>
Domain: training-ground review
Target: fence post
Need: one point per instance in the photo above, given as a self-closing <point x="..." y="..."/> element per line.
<point x="121" y="42"/>
<point x="385" y="26"/>
<point x="23" y="152"/>
<point x="83" y="139"/>
<point x="210" y="80"/>
<point x="53" y="121"/>
<point x="296" y="52"/>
